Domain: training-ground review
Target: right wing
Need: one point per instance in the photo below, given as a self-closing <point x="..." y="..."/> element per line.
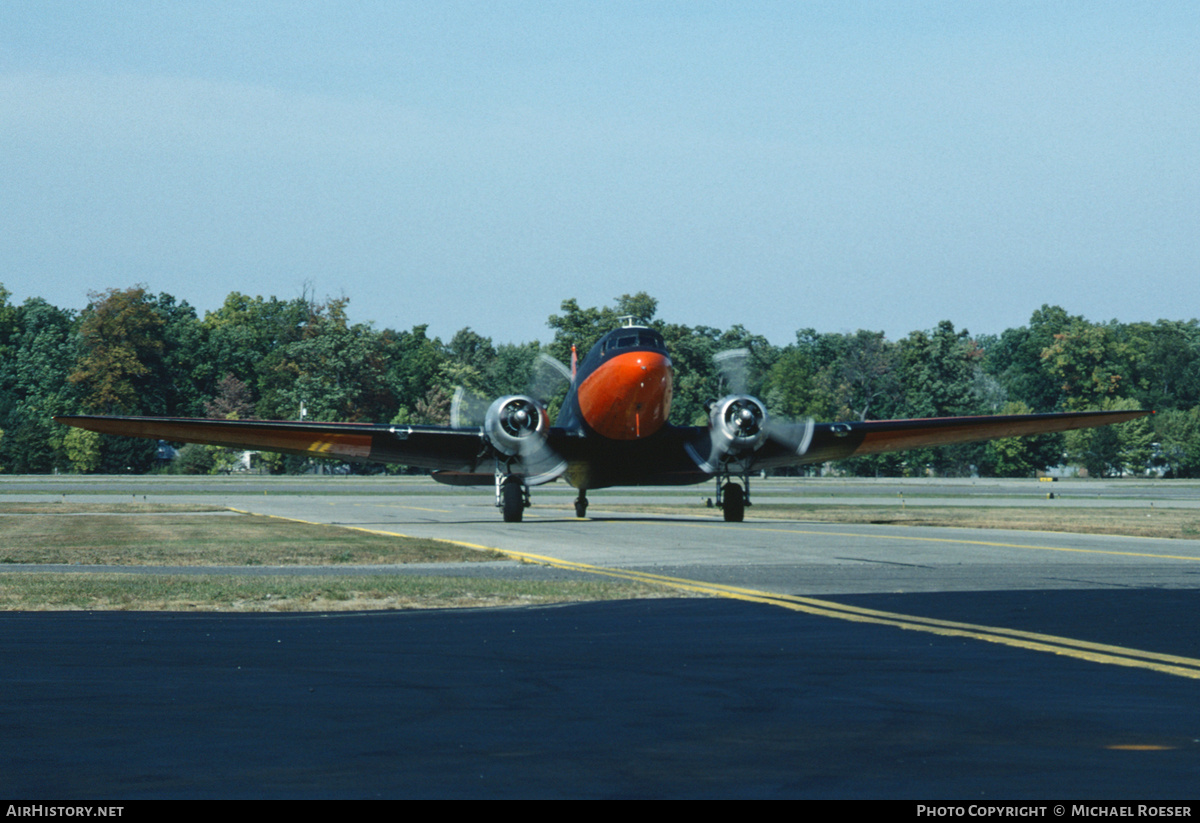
<point x="431" y="447"/>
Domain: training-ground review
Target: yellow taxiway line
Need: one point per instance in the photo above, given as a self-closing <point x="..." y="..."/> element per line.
<point x="1177" y="665"/>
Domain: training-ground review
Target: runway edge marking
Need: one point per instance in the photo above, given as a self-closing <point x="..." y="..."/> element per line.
<point x="1177" y="665"/>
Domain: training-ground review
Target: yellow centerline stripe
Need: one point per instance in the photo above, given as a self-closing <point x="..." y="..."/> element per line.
<point x="1177" y="665"/>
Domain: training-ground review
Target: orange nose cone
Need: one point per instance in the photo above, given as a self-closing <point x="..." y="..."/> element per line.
<point x="628" y="396"/>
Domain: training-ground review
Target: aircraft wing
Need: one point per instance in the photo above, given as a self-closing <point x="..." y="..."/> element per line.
<point x="433" y="447"/>
<point x="837" y="441"/>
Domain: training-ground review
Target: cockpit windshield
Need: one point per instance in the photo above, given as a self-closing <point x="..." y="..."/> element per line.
<point x="635" y="338"/>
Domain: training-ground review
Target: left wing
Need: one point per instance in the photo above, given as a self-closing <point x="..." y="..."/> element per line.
<point x="432" y="447"/>
<point x="837" y="441"/>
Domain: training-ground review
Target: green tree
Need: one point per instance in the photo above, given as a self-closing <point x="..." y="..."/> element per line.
<point x="1113" y="450"/>
<point x="414" y="362"/>
<point x="1166" y="363"/>
<point x="434" y="407"/>
<point x="119" y="363"/>
<point x="120" y="338"/>
<point x="245" y="337"/>
<point x="82" y="449"/>
<point x="172" y="387"/>
<point x="1178" y="433"/>
<point x="471" y="350"/>
<point x="1019" y="456"/>
<point x="1015" y="359"/>
<point x="9" y="326"/>
<point x="863" y="380"/>
<point x="939" y="370"/>
<point x="789" y="388"/>
<point x="193" y="458"/>
<point x="578" y="328"/>
<point x="1091" y="364"/>
<point x="510" y="370"/>
<point x="336" y="370"/>
<point x="696" y="381"/>
<point x="33" y="387"/>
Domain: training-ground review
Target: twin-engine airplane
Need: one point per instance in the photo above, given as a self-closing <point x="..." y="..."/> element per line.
<point x="612" y="430"/>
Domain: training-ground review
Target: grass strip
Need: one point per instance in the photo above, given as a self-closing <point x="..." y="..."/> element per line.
<point x="131" y="507"/>
<point x="156" y="535"/>
<point x="1130" y="522"/>
<point x="72" y="591"/>
<point x="216" y="539"/>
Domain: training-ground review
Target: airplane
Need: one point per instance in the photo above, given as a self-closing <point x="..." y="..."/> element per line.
<point x="611" y="430"/>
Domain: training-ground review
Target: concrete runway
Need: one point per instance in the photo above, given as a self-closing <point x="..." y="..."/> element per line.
<point x="859" y="661"/>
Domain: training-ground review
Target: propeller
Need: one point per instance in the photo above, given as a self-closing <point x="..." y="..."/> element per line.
<point x="547" y="376"/>
<point x="739" y="423"/>
<point x="518" y="425"/>
<point x="734" y="367"/>
<point x="467" y="409"/>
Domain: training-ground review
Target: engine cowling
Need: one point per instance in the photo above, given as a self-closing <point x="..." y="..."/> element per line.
<point x="737" y="424"/>
<point x="516" y="425"/>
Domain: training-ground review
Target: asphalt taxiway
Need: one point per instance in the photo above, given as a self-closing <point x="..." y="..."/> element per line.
<point x="834" y="661"/>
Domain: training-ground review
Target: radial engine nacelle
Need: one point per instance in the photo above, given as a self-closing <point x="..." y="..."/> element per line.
<point x="737" y="424"/>
<point x="516" y="425"/>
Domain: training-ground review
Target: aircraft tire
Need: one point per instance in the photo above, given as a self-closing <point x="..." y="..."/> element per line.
<point x="581" y="508"/>
<point x="512" y="496"/>
<point x="733" y="501"/>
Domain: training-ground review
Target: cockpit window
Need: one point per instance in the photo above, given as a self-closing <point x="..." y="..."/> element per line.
<point x="643" y="338"/>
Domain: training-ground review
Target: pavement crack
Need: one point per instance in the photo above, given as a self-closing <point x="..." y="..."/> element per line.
<point x="884" y="562"/>
<point x="1104" y="584"/>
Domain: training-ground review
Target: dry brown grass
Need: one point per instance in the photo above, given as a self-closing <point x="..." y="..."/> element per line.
<point x="1133" y="522"/>
<point x="71" y="591"/>
<point x="106" y="508"/>
<point x="179" y="537"/>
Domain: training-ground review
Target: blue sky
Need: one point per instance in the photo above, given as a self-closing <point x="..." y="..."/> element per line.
<point x="780" y="165"/>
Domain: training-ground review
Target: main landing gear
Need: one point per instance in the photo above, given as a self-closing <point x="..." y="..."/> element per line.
<point x="512" y="497"/>
<point x="733" y="499"/>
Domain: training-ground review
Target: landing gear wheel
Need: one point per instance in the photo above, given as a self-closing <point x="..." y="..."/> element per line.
<point x="512" y="497"/>
<point x="733" y="501"/>
<point x="581" y="504"/>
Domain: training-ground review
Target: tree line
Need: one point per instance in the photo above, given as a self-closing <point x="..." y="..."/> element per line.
<point x="130" y="352"/>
